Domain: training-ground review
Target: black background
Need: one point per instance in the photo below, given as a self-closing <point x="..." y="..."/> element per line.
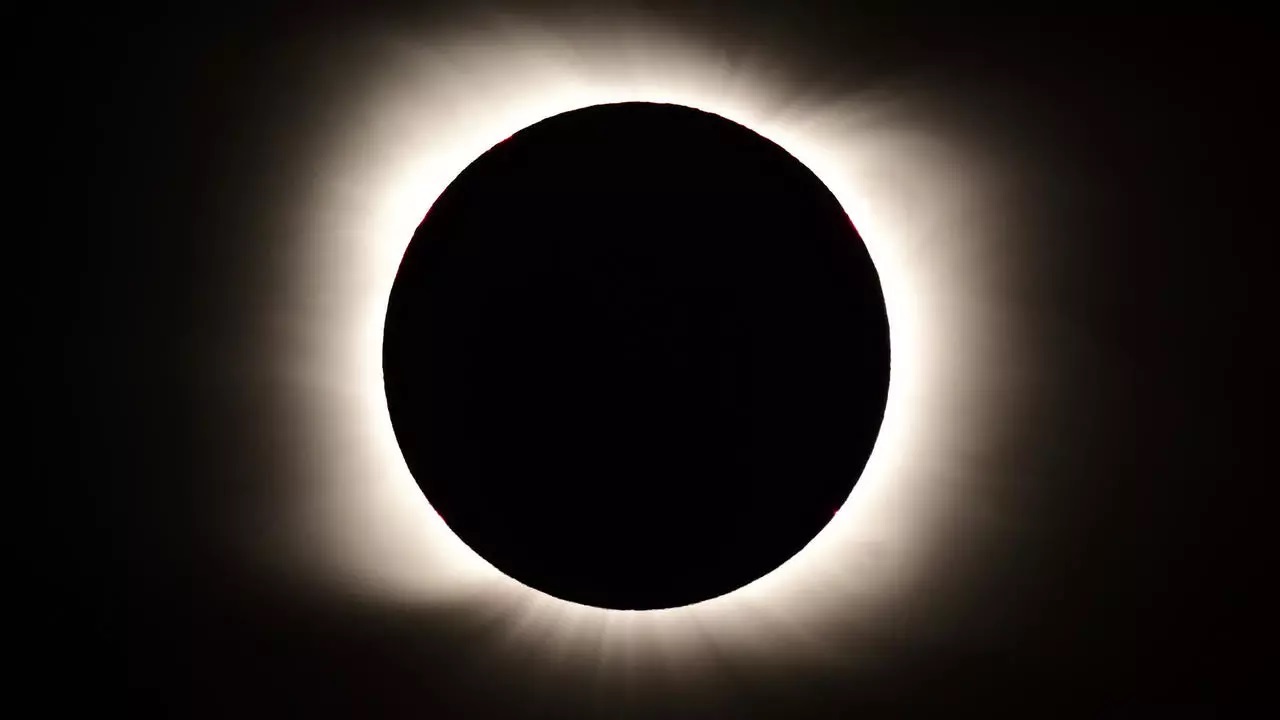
<point x="1131" y="586"/>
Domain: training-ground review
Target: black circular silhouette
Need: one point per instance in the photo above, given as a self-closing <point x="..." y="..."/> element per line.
<point x="636" y="356"/>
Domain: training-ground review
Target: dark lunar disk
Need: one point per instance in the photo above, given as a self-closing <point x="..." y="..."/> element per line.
<point x="636" y="356"/>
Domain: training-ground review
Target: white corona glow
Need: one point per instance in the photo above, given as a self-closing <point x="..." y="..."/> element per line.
<point x="419" y="109"/>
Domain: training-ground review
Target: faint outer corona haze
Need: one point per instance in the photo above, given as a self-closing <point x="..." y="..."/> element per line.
<point x="408" y="115"/>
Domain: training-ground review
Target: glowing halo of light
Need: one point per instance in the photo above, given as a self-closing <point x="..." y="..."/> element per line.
<point x="422" y="113"/>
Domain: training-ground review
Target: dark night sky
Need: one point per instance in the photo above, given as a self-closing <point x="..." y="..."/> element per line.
<point x="1113" y="578"/>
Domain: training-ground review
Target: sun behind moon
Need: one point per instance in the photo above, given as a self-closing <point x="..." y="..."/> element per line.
<point x="636" y="356"/>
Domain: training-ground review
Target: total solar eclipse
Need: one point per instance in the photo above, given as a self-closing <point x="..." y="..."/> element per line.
<point x="636" y="356"/>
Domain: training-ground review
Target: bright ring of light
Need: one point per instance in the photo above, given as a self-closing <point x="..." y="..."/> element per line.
<point x="416" y="115"/>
